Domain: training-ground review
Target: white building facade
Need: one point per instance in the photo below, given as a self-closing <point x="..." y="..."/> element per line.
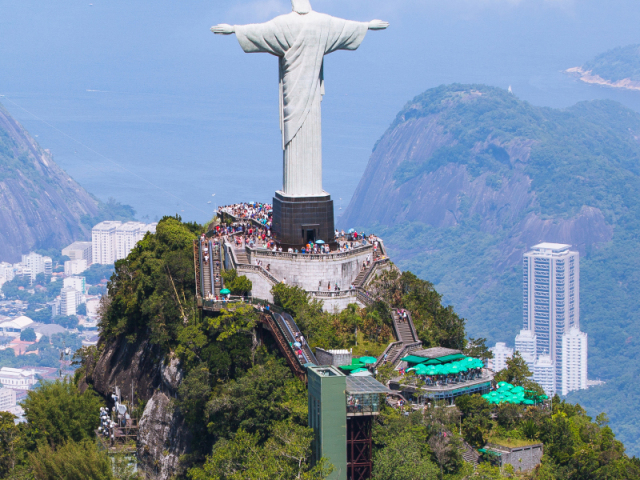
<point x="75" y="267"/>
<point x="544" y="374"/>
<point x="501" y="353"/>
<point x="79" y="251"/>
<point x="7" y="399"/>
<point x="69" y="301"/>
<point x="34" y="264"/>
<point x="574" y="361"/>
<point x="17" y="378"/>
<point x="6" y="272"/>
<point x="551" y="299"/>
<point x="113" y="240"/>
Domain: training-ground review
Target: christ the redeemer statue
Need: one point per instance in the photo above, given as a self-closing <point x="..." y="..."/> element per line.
<point x="301" y="39"/>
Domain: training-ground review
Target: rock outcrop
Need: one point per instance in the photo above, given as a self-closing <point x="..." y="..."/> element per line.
<point x="162" y="438"/>
<point x="40" y="205"/>
<point x="139" y="369"/>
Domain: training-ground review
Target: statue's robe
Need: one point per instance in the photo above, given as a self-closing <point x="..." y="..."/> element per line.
<point x="301" y="42"/>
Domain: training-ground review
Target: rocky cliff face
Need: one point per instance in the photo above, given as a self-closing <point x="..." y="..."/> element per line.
<point x="502" y="200"/>
<point x="140" y="370"/>
<point x="40" y="205"/>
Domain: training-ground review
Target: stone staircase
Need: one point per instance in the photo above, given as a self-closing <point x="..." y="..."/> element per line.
<point x="407" y="340"/>
<point x="241" y="256"/>
<point x="403" y="328"/>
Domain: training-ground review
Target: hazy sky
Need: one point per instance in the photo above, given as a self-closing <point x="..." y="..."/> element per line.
<point x="182" y="114"/>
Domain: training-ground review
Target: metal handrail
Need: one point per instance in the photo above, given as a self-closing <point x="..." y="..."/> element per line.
<point x="386" y="352"/>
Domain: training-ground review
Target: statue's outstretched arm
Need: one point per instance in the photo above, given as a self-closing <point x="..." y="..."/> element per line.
<point x="224" y="29"/>
<point x="378" y="25"/>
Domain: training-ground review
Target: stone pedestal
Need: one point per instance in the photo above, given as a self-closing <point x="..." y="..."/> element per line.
<point x="297" y="220"/>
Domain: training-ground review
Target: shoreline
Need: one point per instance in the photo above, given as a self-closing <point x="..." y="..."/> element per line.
<point x="588" y="77"/>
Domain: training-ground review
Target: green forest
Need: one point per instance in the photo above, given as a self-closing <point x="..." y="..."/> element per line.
<point x="585" y="155"/>
<point x="617" y="64"/>
<point x="247" y="414"/>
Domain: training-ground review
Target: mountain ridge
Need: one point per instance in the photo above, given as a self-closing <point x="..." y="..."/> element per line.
<point x="41" y="206"/>
<point x="468" y="177"/>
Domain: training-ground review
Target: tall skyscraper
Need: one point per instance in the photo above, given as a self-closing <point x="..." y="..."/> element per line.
<point x="574" y="361"/>
<point x="501" y="353"/>
<point x="551" y="291"/>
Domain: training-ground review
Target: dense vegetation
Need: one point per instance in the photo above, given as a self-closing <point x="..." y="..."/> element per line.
<point x="247" y="414"/>
<point x="586" y="155"/>
<point x="617" y="64"/>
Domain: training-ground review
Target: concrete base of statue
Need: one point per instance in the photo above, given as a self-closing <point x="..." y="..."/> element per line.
<point x="297" y="220"/>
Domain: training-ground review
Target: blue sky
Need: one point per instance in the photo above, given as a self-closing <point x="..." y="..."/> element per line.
<point x="181" y="114"/>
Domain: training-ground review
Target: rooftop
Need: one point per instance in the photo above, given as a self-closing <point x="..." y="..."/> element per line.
<point x="362" y="385"/>
<point x="554" y="247"/>
<point x="435" y="352"/>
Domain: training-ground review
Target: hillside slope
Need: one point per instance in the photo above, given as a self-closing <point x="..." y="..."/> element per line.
<point x="619" y="68"/>
<point x="40" y="205"/>
<point x="468" y="177"/>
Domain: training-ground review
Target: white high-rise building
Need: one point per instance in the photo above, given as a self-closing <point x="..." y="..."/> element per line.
<point x="79" y="251"/>
<point x="544" y="374"/>
<point x="74" y="267"/>
<point x="103" y="242"/>
<point x="69" y="301"/>
<point x="551" y="303"/>
<point x="33" y="264"/>
<point x="114" y="240"/>
<point x="574" y="361"/>
<point x="6" y="272"/>
<point x="501" y="353"/>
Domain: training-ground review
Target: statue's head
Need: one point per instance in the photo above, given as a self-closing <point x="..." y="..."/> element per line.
<point x="301" y="6"/>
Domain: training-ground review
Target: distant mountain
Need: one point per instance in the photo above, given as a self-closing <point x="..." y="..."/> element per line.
<point x="468" y="177"/>
<point x="40" y="205"/>
<point x="618" y="68"/>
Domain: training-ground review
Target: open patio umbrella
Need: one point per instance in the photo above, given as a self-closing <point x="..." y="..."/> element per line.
<point x="351" y="230"/>
<point x="320" y="242"/>
<point x="225" y="291"/>
<point x="360" y="370"/>
<point x="421" y="369"/>
<point x="367" y="360"/>
<point x="361" y="373"/>
<point x="505" y="384"/>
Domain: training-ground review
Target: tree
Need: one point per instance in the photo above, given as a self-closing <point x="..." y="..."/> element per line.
<point x="402" y="459"/>
<point x="286" y="454"/>
<point x="10" y="443"/>
<point x="264" y="395"/>
<point x="57" y="412"/>
<point x="28" y="335"/>
<point x="82" y="309"/>
<point x="71" y="461"/>
<point x="477" y="348"/>
<point x="193" y="394"/>
<point x="517" y="373"/>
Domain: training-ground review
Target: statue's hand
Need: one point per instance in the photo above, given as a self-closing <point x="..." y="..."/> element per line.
<point x="223" y="29"/>
<point x="378" y="25"/>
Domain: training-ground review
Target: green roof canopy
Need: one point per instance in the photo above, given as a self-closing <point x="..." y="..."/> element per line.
<point x="349" y="368"/>
<point x="413" y="359"/>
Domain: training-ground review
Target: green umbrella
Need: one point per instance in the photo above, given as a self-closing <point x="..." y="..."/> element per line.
<point x="225" y="291"/>
<point x="358" y="370"/>
<point x="528" y="402"/>
<point x="421" y="369"/>
<point x="366" y="360"/>
<point x="505" y="385"/>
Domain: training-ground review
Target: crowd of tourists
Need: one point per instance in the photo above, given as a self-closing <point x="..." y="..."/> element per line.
<point x="260" y="212"/>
